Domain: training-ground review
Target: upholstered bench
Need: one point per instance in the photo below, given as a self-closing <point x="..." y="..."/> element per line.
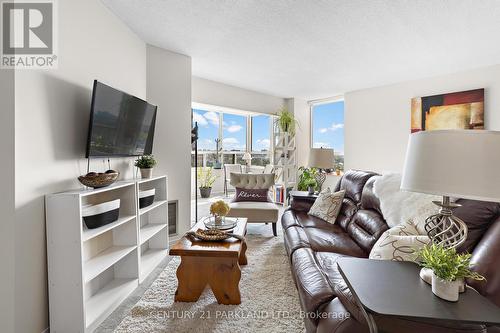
<point x="255" y="212"/>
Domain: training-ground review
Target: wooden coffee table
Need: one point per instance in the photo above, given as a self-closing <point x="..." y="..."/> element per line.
<point x="214" y="263"/>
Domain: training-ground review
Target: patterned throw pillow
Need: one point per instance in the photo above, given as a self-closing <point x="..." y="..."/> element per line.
<point x="327" y="205"/>
<point x="400" y="243"/>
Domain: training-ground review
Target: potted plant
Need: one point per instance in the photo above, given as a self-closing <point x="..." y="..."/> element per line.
<point x="146" y="163"/>
<point x="206" y="181"/>
<point x="449" y="269"/>
<point x="219" y="209"/>
<point x="218" y="150"/>
<point x="307" y="181"/>
<point x="286" y="121"/>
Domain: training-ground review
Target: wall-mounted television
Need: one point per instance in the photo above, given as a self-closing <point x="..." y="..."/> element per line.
<point x="120" y="124"/>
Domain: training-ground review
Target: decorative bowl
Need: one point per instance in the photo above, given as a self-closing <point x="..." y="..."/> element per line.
<point x="226" y="223"/>
<point x="97" y="180"/>
<point x="211" y="235"/>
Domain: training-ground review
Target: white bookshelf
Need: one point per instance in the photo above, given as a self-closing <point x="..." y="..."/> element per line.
<point x="153" y="226"/>
<point x="91" y="271"/>
<point x="285" y="162"/>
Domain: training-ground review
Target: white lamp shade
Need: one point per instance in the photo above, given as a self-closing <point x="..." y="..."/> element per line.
<point x="321" y="158"/>
<point x="246" y="157"/>
<point x="455" y="163"/>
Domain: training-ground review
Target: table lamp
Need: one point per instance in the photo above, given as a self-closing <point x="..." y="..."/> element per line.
<point x="321" y="158"/>
<point x="453" y="164"/>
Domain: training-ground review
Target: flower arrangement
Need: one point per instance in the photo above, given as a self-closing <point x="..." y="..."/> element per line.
<point x="219" y="208"/>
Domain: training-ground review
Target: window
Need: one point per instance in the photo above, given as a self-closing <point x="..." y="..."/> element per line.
<point x="261" y="139"/>
<point x="232" y="130"/>
<point x="328" y="129"/>
<point x="234" y="134"/>
<point x="208" y="129"/>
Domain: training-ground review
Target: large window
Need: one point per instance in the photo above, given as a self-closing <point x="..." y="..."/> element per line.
<point x="232" y="131"/>
<point x="328" y="129"/>
<point x="261" y="139"/>
<point x="234" y="134"/>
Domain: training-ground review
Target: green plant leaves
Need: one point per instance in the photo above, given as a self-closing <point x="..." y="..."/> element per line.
<point x="446" y="263"/>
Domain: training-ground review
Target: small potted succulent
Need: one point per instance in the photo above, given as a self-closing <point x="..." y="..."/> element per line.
<point x="219" y="210"/>
<point x="206" y="181"/>
<point x="449" y="269"/>
<point x="146" y="163"/>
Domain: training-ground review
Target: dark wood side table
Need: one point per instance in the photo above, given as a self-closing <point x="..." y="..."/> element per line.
<point x="303" y="195"/>
<point x="390" y="288"/>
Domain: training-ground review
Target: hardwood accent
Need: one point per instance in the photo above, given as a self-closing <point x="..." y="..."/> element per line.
<point x="214" y="263"/>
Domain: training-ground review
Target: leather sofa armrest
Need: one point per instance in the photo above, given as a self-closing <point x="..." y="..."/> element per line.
<point x="301" y="203"/>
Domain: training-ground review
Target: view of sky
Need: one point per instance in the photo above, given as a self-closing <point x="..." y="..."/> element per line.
<point x="261" y="127"/>
<point x="233" y="131"/>
<point x="328" y="126"/>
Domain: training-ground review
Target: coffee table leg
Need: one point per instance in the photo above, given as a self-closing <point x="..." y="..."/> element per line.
<point x="191" y="282"/>
<point x="225" y="280"/>
<point x="242" y="260"/>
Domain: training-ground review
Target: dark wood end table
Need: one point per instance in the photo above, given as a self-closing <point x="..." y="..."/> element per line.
<point x="390" y="288"/>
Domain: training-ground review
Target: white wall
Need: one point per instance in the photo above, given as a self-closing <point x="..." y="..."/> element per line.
<point x="377" y="121"/>
<point x="219" y="94"/>
<point x="7" y="227"/>
<point x="302" y="113"/>
<point x="52" y="113"/>
<point x="169" y="87"/>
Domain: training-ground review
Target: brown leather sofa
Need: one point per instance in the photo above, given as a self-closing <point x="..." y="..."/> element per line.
<point x="314" y="246"/>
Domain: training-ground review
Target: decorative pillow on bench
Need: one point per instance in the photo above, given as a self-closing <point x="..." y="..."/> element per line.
<point x="254" y="195"/>
<point x="327" y="205"/>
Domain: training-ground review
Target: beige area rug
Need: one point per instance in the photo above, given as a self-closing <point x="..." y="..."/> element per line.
<point x="269" y="300"/>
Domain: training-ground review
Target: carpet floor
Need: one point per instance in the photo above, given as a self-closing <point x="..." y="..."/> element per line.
<point x="269" y="300"/>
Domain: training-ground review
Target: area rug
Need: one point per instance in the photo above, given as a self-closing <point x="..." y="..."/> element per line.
<point x="269" y="300"/>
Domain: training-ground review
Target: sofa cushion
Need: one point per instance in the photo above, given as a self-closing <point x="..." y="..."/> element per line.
<point x="309" y="221"/>
<point x="288" y="219"/>
<point x="346" y="213"/>
<point x="327" y="261"/>
<point x="353" y="182"/>
<point x="338" y="320"/>
<point x="327" y="205"/>
<point x="366" y="227"/>
<point x="295" y="238"/>
<point x="254" y="211"/>
<point x="478" y="215"/>
<point x="338" y="241"/>
<point x="312" y="285"/>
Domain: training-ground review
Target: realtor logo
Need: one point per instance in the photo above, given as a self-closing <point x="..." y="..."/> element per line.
<point x="28" y="34"/>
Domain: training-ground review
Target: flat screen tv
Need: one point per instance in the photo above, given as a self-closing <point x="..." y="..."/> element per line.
<point x="120" y="124"/>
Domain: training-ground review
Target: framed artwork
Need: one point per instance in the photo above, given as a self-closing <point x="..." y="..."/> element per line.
<point x="459" y="110"/>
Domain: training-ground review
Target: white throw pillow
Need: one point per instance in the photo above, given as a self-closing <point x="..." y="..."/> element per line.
<point x="399" y="243"/>
<point x="327" y="205"/>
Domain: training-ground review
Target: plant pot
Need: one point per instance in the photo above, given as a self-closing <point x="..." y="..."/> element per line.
<point x="218" y="220"/>
<point x="310" y="190"/>
<point x="217" y="165"/>
<point x="427" y="273"/>
<point x="447" y="290"/>
<point x="146" y="173"/>
<point x="337" y="172"/>
<point x="205" y="192"/>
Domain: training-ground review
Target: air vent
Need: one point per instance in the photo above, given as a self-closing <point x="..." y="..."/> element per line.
<point x="172" y="217"/>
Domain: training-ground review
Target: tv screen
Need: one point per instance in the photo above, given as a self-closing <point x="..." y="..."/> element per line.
<point x="120" y="124"/>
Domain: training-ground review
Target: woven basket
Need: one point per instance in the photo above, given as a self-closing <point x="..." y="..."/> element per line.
<point x="99" y="180"/>
<point x="212" y="235"/>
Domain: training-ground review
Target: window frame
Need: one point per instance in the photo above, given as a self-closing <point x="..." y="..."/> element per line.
<point x="249" y="129"/>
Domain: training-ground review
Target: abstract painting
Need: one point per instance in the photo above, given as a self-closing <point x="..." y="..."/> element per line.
<point x="459" y="110"/>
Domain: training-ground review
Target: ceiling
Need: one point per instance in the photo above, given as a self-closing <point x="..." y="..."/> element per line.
<point x="317" y="48"/>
